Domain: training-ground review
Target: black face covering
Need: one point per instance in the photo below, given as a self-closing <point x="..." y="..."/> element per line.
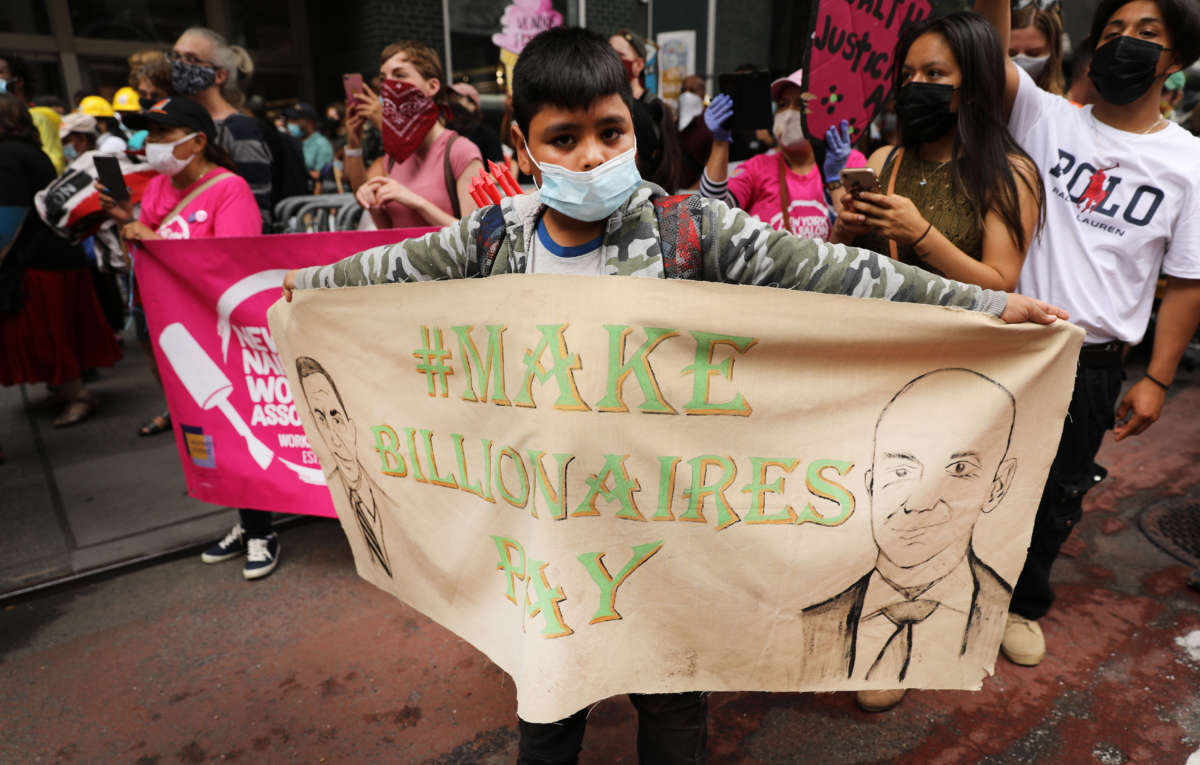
<point x="1124" y="69"/>
<point x="923" y="109"/>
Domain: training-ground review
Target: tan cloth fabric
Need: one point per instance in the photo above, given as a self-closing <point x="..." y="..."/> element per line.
<point x="648" y="486"/>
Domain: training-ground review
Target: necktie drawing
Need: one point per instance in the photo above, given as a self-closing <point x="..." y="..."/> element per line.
<point x="897" y="651"/>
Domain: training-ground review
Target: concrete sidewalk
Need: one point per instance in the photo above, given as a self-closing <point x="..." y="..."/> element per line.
<point x="182" y="662"/>
<point x="80" y="499"/>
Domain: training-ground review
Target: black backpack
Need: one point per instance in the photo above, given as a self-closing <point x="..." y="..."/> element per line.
<point x="289" y="176"/>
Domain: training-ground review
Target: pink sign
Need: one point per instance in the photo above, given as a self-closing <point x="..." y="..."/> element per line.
<point x="240" y="439"/>
<point x="522" y="21"/>
<point x="849" y="63"/>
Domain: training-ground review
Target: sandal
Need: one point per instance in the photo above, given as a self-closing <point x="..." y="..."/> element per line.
<point x="76" y="411"/>
<point x="161" y="423"/>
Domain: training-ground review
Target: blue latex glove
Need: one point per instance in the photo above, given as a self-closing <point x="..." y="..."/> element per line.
<point x="837" y="151"/>
<point x="719" y="110"/>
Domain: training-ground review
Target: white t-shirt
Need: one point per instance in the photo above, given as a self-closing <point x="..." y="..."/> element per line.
<point x="1120" y="208"/>
<point x="548" y="257"/>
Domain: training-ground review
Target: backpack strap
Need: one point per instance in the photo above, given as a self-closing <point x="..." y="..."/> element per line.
<point x="898" y="153"/>
<point x="488" y="238"/>
<point x="680" y="235"/>
<point x="451" y="185"/>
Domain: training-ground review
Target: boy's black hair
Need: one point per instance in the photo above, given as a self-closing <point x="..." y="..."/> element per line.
<point x="1180" y="17"/>
<point x="567" y="67"/>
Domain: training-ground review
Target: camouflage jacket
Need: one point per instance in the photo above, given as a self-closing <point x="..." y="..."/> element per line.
<point x="736" y="248"/>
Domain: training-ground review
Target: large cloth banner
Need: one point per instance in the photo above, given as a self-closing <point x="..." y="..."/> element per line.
<point x="239" y="437"/>
<point x="635" y="485"/>
<point x="848" y="66"/>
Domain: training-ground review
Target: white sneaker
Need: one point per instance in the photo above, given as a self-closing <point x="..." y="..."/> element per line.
<point x="262" y="556"/>
<point x="1023" y="641"/>
<point x="231" y="546"/>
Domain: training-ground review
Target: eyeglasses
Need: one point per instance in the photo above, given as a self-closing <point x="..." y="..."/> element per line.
<point x="187" y="58"/>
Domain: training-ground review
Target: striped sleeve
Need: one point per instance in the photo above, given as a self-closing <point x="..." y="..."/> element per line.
<point x="239" y="135"/>
<point x="711" y="189"/>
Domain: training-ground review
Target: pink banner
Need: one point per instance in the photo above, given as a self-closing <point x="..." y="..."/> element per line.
<point x="849" y="64"/>
<point x="240" y="439"/>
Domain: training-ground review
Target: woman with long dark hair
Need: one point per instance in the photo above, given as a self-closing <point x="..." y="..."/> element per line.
<point x="51" y="324"/>
<point x="962" y="198"/>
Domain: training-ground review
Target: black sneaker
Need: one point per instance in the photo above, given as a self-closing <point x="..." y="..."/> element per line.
<point x="262" y="555"/>
<point x="233" y="545"/>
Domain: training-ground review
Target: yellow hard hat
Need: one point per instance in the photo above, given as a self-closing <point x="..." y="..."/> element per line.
<point x="96" y="106"/>
<point x="127" y="100"/>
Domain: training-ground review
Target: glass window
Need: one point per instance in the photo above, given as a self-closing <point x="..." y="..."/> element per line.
<point x="150" y="20"/>
<point x="261" y="25"/>
<point x="24" y="17"/>
<point x="103" y="76"/>
<point x="472" y="24"/>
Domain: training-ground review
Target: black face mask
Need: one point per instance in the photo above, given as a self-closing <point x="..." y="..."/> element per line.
<point x="923" y="109"/>
<point x="1124" y="69"/>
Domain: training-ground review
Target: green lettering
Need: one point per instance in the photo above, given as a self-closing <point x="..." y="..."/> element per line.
<point x="434" y="477"/>
<point x="622" y="491"/>
<point x="826" y="489"/>
<point x="464" y="483"/>
<point x="392" y="462"/>
<point x="758" y="488"/>
<point x="516" y="500"/>
<point x="666" y="488"/>
<point x="512" y="571"/>
<point x="562" y="370"/>
<point x="411" y="436"/>
<point x="703" y="369"/>
<point x="545" y="602"/>
<point x="594" y="563"/>
<point x="699" y="490"/>
<point x="556" y="499"/>
<point x="638" y="365"/>
<point x="481" y="376"/>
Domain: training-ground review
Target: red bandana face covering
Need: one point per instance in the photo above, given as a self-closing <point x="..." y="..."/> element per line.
<point x="408" y="116"/>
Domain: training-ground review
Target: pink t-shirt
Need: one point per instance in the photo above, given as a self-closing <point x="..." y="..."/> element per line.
<point x="755" y="185"/>
<point x="227" y="208"/>
<point x="425" y="174"/>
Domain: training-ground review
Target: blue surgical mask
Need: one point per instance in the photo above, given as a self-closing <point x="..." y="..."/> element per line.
<point x="69" y="151"/>
<point x="592" y="195"/>
<point x="3" y="86"/>
<point x="294" y="129"/>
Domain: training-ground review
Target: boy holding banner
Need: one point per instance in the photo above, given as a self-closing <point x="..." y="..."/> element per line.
<point x="1123" y="184"/>
<point x="594" y="215"/>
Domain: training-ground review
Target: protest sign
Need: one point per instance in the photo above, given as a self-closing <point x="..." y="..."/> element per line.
<point x="676" y="60"/>
<point x="848" y="66"/>
<point x="239" y="437"/>
<point x="639" y="485"/>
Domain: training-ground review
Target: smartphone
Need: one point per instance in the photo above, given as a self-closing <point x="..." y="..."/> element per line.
<point x="751" y="94"/>
<point x="109" y="170"/>
<point x="352" y="83"/>
<point x="860" y="179"/>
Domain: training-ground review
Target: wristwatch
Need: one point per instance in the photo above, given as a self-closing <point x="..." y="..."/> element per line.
<point x="833" y="185"/>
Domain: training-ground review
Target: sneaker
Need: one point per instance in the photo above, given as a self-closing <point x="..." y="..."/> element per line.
<point x="1023" y="641"/>
<point x="879" y="701"/>
<point x="262" y="556"/>
<point x="233" y="545"/>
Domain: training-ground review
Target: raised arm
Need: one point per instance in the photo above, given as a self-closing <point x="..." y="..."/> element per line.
<point x="714" y="181"/>
<point x="444" y="254"/>
<point x="999" y="12"/>
<point x="744" y="250"/>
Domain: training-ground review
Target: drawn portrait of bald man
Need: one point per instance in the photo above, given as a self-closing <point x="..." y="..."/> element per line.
<point x="940" y="459"/>
<point x="336" y="427"/>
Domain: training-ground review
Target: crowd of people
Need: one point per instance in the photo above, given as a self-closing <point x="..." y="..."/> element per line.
<point x="1029" y="183"/>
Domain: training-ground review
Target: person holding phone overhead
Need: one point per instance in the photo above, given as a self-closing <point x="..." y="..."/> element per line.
<point x="786" y="188"/>
<point x="962" y="199"/>
<point x="424" y="177"/>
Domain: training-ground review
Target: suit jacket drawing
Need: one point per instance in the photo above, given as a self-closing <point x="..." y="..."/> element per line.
<point x="839" y="616"/>
<point x="370" y="528"/>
